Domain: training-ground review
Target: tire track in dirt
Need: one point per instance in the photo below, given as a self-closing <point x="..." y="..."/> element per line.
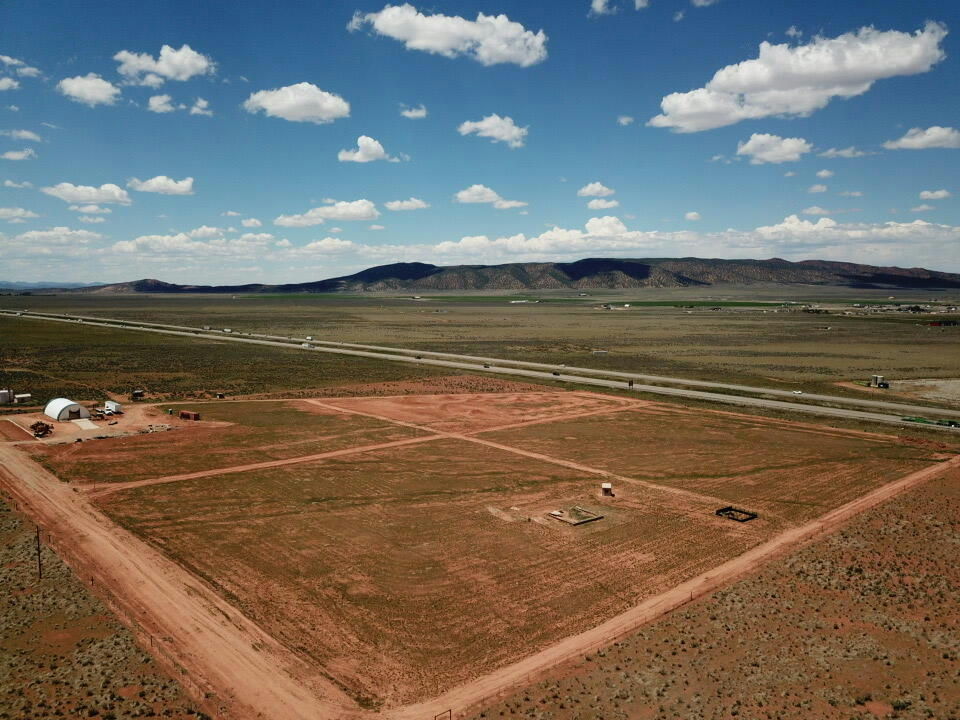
<point x="677" y="492"/>
<point x="117" y="487"/>
<point x="100" y="491"/>
<point x="234" y="667"/>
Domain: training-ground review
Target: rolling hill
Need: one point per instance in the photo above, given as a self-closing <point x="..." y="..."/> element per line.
<point x="591" y="273"/>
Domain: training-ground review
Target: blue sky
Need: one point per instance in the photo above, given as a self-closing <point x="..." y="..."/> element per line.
<point x="551" y="131"/>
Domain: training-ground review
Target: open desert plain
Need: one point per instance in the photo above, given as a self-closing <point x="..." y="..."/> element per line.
<point x="366" y="536"/>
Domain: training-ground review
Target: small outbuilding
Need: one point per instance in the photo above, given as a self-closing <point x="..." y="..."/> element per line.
<point x="113" y="406"/>
<point x="65" y="409"/>
<point x="189" y="415"/>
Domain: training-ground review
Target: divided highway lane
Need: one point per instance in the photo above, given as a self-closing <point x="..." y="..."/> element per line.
<point x="901" y="408"/>
<point x="421" y="358"/>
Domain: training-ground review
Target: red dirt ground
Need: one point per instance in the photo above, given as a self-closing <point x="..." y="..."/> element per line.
<point x="405" y="570"/>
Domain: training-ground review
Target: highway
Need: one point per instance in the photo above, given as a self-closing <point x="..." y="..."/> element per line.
<point x="538" y="371"/>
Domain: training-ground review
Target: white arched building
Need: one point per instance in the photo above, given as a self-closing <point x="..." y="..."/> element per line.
<point x="64" y="409"/>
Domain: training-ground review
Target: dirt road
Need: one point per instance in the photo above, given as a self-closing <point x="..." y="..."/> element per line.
<point x="331" y="405"/>
<point x="242" y="671"/>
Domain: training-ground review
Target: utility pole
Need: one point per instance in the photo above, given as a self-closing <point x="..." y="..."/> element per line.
<point x="39" y="564"/>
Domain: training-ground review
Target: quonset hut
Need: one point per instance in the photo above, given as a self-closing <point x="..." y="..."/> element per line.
<point x="64" y="409"/>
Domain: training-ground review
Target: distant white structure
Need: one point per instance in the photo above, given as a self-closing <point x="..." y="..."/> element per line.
<point x="65" y="409"/>
<point x="113" y="406"/>
<point x="6" y="396"/>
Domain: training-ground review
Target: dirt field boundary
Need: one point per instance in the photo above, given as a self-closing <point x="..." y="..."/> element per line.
<point x="470" y="698"/>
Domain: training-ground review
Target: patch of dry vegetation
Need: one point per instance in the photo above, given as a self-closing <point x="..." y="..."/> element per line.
<point x="62" y="653"/>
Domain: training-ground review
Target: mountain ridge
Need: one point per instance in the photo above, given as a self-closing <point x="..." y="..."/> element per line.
<point x="586" y="274"/>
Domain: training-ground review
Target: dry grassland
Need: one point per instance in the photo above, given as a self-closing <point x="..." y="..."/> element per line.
<point x="62" y="653"/>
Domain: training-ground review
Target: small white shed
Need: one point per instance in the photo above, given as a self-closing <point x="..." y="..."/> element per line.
<point x="64" y="409"/>
<point x="113" y="406"/>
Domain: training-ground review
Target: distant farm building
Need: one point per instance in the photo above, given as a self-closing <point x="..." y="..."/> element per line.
<point x="6" y="396"/>
<point x="113" y="406"/>
<point x="189" y="415"/>
<point x="65" y="409"/>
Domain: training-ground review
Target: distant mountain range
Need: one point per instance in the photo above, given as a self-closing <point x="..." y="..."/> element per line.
<point x="589" y="274"/>
<point x="12" y="285"/>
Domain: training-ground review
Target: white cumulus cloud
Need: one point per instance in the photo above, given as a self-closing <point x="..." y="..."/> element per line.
<point x="201" y="107"/>
<point x="19" y="154"/>
<point x="850" y="152"/>
<point x="182" y="64"/>
<point x="92" y="219"/>
<point x="476" y="194"/>
<point x="334" y="210"/>
<point x="163" y="185"/>
<point x="602" y="7"/>
<point x="934" y="194"/>
<point x="22" y="135"/>
<point x="250" y="222"/>
<point x="765" y="148"/>
<point x="922" y="208"/>
<point x="824" y="173"/>
<point x="817" y="189"/>
<point x="624" y="120"/>
<point x="694" y="215"/>
<point x="414" y="113"/>
<point x="160" y="104"/>
<point x="601" y="204"/>
<point x="787" y="80"/>
<point x="89" y="89"/>
<point x="92" y="209"/>
<point x="368" y="150"/>
<point x="11" y="214"/>
<point x="498" y="129"/>
<point x="411" y="204"/>
<point x="815" y="210"/>
<point x="595" y="189"/>
<point x="106" y="193"/>
<point x="490" y="39"/>
<point x="920" y="139"/>
<point x="8" y="83"/>
<point x="303" y="102"/>
<point x="18" y="185"/>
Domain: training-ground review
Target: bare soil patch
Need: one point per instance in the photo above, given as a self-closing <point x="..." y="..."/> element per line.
<point x="228" y="434"/>
<point x="781" y="470"/>
<point x="388" y="568"/>
<point x="863" y="623"/>
<point x="9" y="430"/>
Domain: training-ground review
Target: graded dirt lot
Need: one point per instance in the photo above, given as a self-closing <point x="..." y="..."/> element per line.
<point x="417" y="552"/>
<point x="862" y="624"/>
<point x="62" y="652"/>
